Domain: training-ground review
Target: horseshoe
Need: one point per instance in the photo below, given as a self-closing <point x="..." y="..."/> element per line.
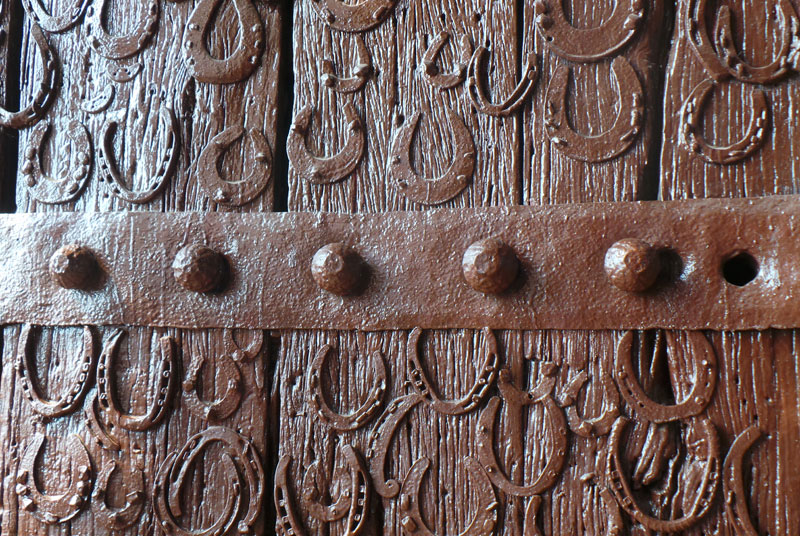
<point x="735" y="500"/>
<point x="485" y="520"/>
<point x="704" y="381"/>
<point x="430" y="70"/>
<point x="361" y="71"/>
<point x="54" y="509"/>
<point x="589" y="44"/>
<point x="55" y="23"/>
<point x="72" y="399"/>
<point x="122" y="74"/>
<point x="609" y="144"/>
<point x="422" y="385"/>
<point x="515" y="100"/>
<point x="597" y="426"/>
<point x="287" y="523"/>
<point x="165" y="385"/>
<point x="239" y="354"/>
<point x="117" y="47"/>
<point x="531" y="526"/>
<point x="45" y="94"/>
<point x="71" y="182"/>
<point x="361" y="416"/>
<point x="691" y="129"/>
<point x="623" y="492"/>
<point x="333" y="168"/>
<point x="240" y="192"/>
<point x="359" y="17"/>
<point x="228" y="374"/>
<point x="381" y="438"/>
<point x="451" y="183"/>
<point x="98" y="428"/>
<point x="100" y="102"/>
<point x="118" y="518"/>
<point x="168" y="132"/>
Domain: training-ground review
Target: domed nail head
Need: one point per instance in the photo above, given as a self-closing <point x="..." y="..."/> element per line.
<point x="199" y="268"/>
<point x="74" y="267"/>
<point x="632" y="265"/>
<point x="490" y="266"/>
<point x="339" y="269"/>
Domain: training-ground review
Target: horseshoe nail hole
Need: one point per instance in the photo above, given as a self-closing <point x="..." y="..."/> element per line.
<point x="740" y="269"/>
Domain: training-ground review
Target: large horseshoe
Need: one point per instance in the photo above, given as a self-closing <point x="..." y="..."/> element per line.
<point x="244" y="59"/>
<point x="227" y="374"/>
<point x="704" y="381"/>
<point x="240" y="192"/>
<point x="55" y="23"/>
<point x="109" y="172"/>
<point x="361" y="71"/>
<point x="319" y="170"/>
<point x="49" y="190"/>
<point x="72" y="399"/>
<point x="610" y="143"/>
<point x="485" y="520"/>
<point x="45" y="94"/>
<point x="431" y="71"/>
<point x="422" y="385"/>
<point x="165" y="385"/>
<point x="451" y="183"/>
<point x="515" y="100"/>
<point x="54" y="509"/>
<point x="588" y="44"/>
<point x="354" y="17"/>
<point x="625" y="495"/>
<point x="117" y="47"/>
<point x="127" y="515"/>
<point x="692" y="120"/>
<point x="735" y="496"/>
<point x="361" y="416"/>
<point x="597" y="426"/>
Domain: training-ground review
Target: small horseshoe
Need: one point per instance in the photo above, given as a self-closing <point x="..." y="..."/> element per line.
<point x="244" y="59"/>
<point x="625" y="495"/>
<point x="451" y="183"/>
<point x="168" y="131"/>
<point x="517" y="397"/>
<point x="117" y="47"/>
<point x="226" y="373"/>
<point x="98" y="427"/>
<point x="240" y="192"/>
<point x="483" y="383"/>
<point x="165" y="385"/>
<point x="239" y="354"/>
<point x="735" y="497"/>
<point x="55" y="23"/>
<point x="100" y="102"/>
<point x="597" y="426"/>
<point x="485" y="520"/>
<point x="72" y="399"/>
<point x="358" y="17"/>
<point x="704" y="381"/>
<point x="691" y="129"/>
<point x="431" y="71"/>
<point x="588" y="44"/>
<point x="124" y="517"/>
<point x="287" y="522"/>
<point x="54" y="509"/>
<point x="122" y="74"/>
<point x="73" y="179"/>
<point x="609" y="144"/>
<point x="333" y="168"/>
<point x="361" y="71"/>
<point x="48" y="87"/>
<point x="361" y="416"/>
<point x="515" y="100"/>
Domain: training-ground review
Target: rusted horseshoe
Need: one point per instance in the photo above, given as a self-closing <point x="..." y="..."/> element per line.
<point x="100" y="429"/>
<point x="122" y="74"/>
<point x="441" y="189"/>
<point x="239" y="354"/>
<point x="515" y="100"/>
<point x="244" y="59"/>
<point x="54" y="509"/>
<point x="227" y="374"/>
<point x="164" y="389"/>
<point x="361" y="416"/>
<point x="356" y="17"/>
<point x="422" y="385"/>
<point x="109" y="172"/>
<point x="117" y="47"/>
<point x="72" y="180"/>
<point x="45" y="94"/>
<point x="240" y="192"/>
<point x="588" y="44"/>
<point x="431" y="71"/>
<point x="485" y="520"/>
<point x="329" y="169"/>
<point x="360" y="76"/>
<point x="692" y="120"/>
<point x="597" y="426"/>
<point x="704" y="499"/>
<point x="72" y="399"/>
<point x="287" y="523"/>
<point x="735" y="499"/>
<point x="610" y="143"/>
<point x="55" y="23"/>
<point x="704" y="381"/>
<point x="127" y="515"/>
<point x="100" y="102"/>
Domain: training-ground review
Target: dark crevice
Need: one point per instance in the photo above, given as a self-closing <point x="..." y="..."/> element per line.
<point x="522" y="37"/>
<point x="11" y="80"/>
<point x="285" y="105"/>
<point x="273" y="427"/>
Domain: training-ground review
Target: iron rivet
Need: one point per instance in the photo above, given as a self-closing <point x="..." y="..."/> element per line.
<point x="74" y="267"/>
<point x="339" y="269"/>
<point x="490" y="266"/>
<point x="632" y="265"/>
<point x="200" y="269"/>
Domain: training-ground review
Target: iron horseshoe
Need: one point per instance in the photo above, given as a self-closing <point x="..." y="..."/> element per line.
<point x="360" y="75"/>
<point x="596" y="426"/>
<point x="98" y="427"/>
<point x="735" y="499"/>
<point x="127" y="515"/>
<point x="122" y="74"/>
<point x="287" y="522"/>
<point x="239" y="354"/>
<point x="515" y="100"/>
<point x="100" y="102"/>
<point x="227" y="374"/>
<point x="431" y="71"/>
<point x="358" y="17"/>
<point x="55" y="23"/>
<point x="117" y="47"/>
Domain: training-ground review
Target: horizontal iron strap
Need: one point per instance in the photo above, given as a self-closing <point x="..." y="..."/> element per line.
<point x="415" y="271"/>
